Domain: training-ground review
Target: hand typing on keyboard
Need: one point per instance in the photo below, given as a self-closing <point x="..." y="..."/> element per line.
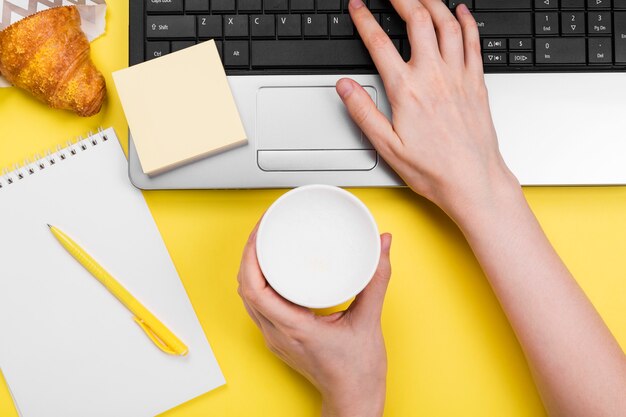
<point x="441" y="140"/>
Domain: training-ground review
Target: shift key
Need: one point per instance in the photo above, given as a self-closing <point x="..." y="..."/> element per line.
<point x="619" y="31"/>
<point x="171" y="26"/>
<point x="513" y="23"/>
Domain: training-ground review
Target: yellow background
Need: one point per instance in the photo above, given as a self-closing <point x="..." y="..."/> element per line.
<point x="451" y="351"/>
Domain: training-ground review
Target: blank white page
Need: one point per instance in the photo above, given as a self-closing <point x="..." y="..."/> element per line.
<point x="68" y="347"/>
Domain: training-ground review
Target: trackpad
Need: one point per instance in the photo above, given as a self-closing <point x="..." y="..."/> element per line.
<point x="301" y="118"/>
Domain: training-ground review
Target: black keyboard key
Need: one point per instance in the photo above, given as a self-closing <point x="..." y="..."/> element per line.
<point x="329" y="5"/>
<point x="512" y="23"/>
<point x="315" y="25"/>
<point x="196" y="6"/>
<point x="309" y="53"/>
<point x="600" y="51"/>
<point x="572" y="4"/>
<point x="379" y="5"/>
<point x="302" y="5"/>
<point x="396" y="44"/>
<point x="599" y="23"/>
<point x="546" y="24"/>
<point x="160" y="6"/>
<point x="502" y="4"/>
<point x="250" y="6"/>
<point x="598" y="4"/>
<point x="573" y="23"/>
<point x="494" y="58"/>
<point x="619" y="36"/>
<point x="521" y="44"/>
<point x="453" y="3"/>
<point x="521" y="58"/>
<point x="171" y="27"/>
<point x="178" y="45"/>
<point x="218" y="46"/>
<point x="236" y="54"/>
<point x="262" y="26"/>
<point x="275" y="6"/>
<point x="393" y="25"/>
<point x="340" y="25"/>
<point x="223" y="6"/>
<point x="236" y="26"/>
<point x="560" y="51"/>
<point x="405" y="50"/>
<point x="157" y="49"/>
<point x="210" y="27"/>
<point x="494" y="44"/>
<point x="619" y="4"/>
<point x="547" y="4"/>
<point x="288" y="25"/>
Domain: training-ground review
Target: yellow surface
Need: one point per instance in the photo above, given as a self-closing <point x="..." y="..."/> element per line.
<point x="451" y="351"/>
<point x="7" y="408"/>
<point x="209" y="110"/>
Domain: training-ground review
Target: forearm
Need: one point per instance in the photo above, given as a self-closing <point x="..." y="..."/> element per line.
<point x="578" y="366"/>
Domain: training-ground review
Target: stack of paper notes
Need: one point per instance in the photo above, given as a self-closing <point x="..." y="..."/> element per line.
<point x="179" y="108"/>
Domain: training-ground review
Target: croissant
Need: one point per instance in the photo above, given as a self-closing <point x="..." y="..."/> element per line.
<point x="47" y="54"/>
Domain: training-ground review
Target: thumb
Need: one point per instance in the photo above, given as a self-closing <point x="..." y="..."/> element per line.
<point x="366" y="115"/>
<point x="368" y="305"/>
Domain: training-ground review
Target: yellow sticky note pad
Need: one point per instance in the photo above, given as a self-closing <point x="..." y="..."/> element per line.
<point x="179" y="108"/>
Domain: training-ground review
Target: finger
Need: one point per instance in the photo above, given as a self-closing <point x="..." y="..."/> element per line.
<point x="448" y="29"/>
<point x="383" y="53"/>
<point x="368" y="305"/>
<point x="261" y="297"/>
<point x="249" y="310"/>
<point x="471" y="40"/>
<point x="420" y="29"/>
<point x="370" y="120"/>
<point x="251" y="238"/>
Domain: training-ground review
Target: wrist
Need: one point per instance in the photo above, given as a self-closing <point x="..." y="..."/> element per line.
<point x="354" y="404"/>
<point x="498" y="194"/>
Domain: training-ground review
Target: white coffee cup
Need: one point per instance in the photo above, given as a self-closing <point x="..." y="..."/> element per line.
<point x="318" y="246"/>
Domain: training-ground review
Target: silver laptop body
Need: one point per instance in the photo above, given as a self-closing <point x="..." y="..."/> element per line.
<point x="553" y="129"/>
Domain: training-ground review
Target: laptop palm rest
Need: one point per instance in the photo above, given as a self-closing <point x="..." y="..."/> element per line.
<point x="309" y="129"/>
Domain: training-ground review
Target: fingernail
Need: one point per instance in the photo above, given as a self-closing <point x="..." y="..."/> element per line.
<point x="345" y="87"/>
<point x="356" y="4"/>
<point x="462" y="8"/>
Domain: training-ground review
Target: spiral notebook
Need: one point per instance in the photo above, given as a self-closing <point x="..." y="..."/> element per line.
<point x="67" y="346"/>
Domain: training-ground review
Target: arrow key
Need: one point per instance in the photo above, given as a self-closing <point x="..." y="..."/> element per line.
<point x="573" y="23"/>
<point x="521" y="58"/>
<point x="494" y="44"/>
<point x="494" y="58"/>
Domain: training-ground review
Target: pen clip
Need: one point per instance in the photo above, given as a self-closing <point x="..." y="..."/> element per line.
<point x="154" y="337"/>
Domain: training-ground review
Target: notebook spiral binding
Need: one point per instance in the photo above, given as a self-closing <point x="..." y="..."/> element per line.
<point x="51" y="158"/>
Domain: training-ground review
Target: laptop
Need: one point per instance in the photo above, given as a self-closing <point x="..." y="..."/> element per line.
<point x="555" y="71"/>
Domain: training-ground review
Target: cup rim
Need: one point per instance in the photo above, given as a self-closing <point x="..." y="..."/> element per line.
<point x="344" y="194"/>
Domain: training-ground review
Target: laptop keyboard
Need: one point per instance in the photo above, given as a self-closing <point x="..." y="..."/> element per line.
<point x="312" y="36"/>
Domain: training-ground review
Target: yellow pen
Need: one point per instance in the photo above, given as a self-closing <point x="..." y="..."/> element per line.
<point x="156" y="331"/>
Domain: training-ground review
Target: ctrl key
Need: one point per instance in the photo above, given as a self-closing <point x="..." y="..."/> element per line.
<point x="156" y="49"/>
<point x="236" y="54"/>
